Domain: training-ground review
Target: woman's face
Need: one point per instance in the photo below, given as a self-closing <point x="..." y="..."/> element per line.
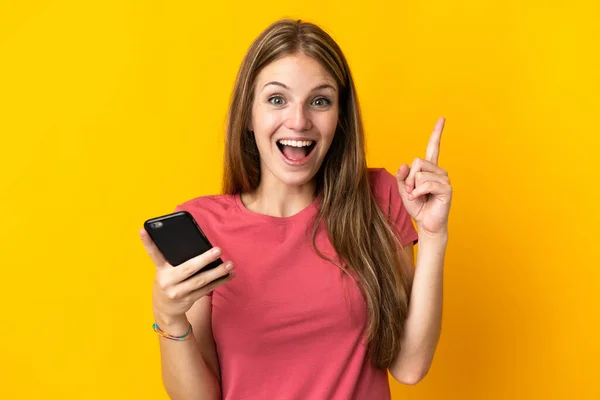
<point x="294" y="118"/>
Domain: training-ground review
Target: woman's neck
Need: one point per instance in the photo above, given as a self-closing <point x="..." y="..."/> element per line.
<point x="278" y="199"/>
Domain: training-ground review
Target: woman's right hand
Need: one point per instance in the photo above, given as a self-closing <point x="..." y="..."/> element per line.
<point x="172" y="293"/>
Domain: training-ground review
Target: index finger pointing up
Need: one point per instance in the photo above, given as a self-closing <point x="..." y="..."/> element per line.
<point x="433" y="148"/>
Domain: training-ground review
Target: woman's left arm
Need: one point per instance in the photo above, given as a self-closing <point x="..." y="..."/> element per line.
<point x="423" y="324"/>
<point x="426" y="194"/>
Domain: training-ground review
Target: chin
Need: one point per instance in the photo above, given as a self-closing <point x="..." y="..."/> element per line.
<point x="298" y="178"/>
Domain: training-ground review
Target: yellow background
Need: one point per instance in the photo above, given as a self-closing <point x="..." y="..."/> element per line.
<point x="112" y="112"/>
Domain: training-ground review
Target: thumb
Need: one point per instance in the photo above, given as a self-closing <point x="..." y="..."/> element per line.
<point x="401" y="176"/>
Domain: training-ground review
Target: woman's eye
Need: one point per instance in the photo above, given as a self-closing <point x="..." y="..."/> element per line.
<point x="277" y="100"/>
<point x="321" y="102"/>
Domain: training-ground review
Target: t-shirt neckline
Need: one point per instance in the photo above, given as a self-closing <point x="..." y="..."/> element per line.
<point x="307" y="211"/>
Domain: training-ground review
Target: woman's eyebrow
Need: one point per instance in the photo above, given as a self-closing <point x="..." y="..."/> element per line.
<point x="318" y="87"/>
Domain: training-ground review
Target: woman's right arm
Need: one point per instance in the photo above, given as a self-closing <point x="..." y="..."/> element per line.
<point x="190" y="368"/>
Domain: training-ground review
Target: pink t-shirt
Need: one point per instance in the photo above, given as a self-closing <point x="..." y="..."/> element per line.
<point x="291" y="325"/>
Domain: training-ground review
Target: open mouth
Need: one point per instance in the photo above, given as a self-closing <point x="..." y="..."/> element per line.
<point x="296" y="150"/>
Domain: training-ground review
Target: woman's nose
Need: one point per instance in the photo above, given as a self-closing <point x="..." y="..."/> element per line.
<point x="297" y="118"/>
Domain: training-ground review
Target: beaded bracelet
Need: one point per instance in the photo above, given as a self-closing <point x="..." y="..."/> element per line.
<point x="164" y="334"/>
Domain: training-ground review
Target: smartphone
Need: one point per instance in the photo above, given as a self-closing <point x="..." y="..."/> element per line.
<point x="179" y="238"/>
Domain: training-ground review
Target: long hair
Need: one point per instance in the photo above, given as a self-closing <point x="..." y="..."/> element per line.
<point x="360" y="232"/>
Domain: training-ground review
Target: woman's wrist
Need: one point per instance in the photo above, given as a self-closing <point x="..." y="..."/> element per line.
<point x="174" y="325"/>
<point x="438" y="238"/>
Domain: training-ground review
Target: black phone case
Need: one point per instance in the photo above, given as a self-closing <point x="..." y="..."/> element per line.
<point x="179" y="238"/>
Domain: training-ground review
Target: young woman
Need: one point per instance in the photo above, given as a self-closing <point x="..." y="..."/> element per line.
<point x="325" y="298"/>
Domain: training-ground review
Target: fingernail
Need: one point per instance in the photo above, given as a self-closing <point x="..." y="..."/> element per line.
<point x="216" y="251"/>
<point x="229" y="266"/>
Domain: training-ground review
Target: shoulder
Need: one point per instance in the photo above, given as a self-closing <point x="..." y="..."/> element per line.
<point x="215" y="203"/>
<point x="382" y="182"/>
<point x="385" y="190"/>
<point x="210" y="212"/>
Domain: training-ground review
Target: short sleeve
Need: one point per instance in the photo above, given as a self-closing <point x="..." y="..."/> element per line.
<point x="385" y="188"/>
<point x="179" y="208"/>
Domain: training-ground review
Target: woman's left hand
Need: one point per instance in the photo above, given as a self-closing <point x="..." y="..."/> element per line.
<point x="425" y="188"/>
